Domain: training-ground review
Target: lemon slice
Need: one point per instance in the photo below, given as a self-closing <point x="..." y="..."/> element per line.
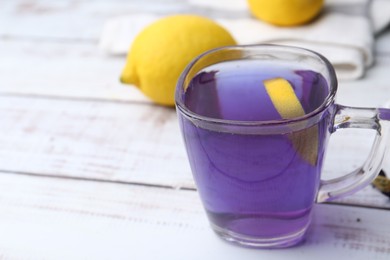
<point x="288" y="106"/>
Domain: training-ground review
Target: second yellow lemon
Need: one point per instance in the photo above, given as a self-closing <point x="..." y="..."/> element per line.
<point x="162" y="50"/>
<point x="285" y="12"/>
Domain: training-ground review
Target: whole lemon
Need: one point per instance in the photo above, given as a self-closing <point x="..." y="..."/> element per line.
<point x="162" y="50"/>
<point x="285" y="12"/>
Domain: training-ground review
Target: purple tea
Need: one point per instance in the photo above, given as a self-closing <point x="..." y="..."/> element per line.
<point x="254" y="185"/>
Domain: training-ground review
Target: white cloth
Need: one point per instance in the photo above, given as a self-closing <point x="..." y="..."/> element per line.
<point x="342" y="34"/>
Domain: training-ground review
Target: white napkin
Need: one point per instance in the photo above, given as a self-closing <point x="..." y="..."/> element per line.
<point x="344" y="35"/>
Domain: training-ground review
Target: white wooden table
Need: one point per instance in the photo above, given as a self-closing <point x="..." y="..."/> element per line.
<point x="90" y="169"/>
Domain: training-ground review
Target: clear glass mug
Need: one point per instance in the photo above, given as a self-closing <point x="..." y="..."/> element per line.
<point x="256" y="122"/>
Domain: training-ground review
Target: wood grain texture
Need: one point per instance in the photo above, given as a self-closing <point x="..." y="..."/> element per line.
<point x="64" y="69"/>
<point x="69" y="219"/>
<point x="79" y="70"/>
<point x="82" y="20"/>
<point x="107" y="141"/>
<point x="126" y="142"/>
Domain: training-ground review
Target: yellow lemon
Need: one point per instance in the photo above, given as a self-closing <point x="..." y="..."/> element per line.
<point x="162" y="50"/>
<point x="285" y="12"/>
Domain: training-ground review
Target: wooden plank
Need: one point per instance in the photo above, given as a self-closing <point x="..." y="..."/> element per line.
<point x="126" y="142"/>
<point x="78" y="70"/>
<point x="84" y="19"/>
<point x="67" y="219"/>
<point x="81" y="20"/>
<point x="62" y="69"/>
<point x="109" y="141"/>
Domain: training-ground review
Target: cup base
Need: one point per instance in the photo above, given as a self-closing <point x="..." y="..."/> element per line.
<point x="256" y="242"/>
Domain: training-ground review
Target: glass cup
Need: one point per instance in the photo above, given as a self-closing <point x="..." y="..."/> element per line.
<point x="256" y="121"/>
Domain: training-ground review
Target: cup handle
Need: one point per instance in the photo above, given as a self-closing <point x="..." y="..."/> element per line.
<point x="377" y="119"/>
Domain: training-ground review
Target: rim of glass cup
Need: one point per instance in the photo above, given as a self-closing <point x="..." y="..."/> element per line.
<point x="255" y="48"/>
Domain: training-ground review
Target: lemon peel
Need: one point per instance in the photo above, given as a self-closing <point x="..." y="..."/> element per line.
<point x="288" y="106"/>
<point x="283" y="98"/>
